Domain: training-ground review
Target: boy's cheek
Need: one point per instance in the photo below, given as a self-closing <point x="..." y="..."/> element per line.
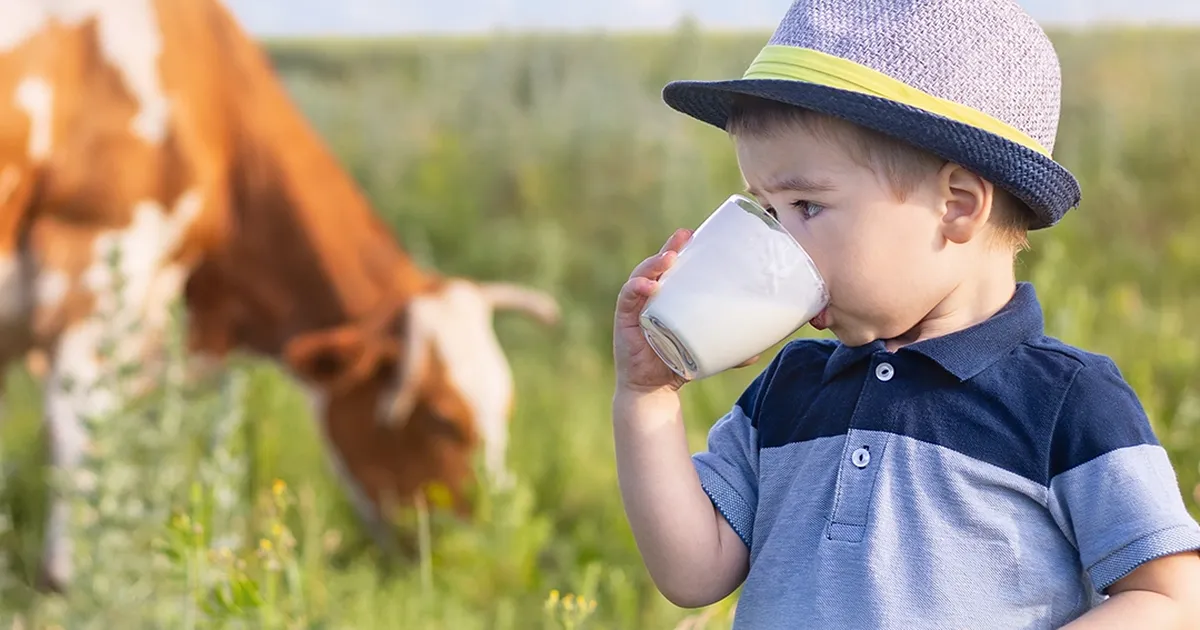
<point x="817" y="247"/>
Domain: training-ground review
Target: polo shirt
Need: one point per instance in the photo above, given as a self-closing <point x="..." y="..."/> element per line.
<point x="994" y="477"/>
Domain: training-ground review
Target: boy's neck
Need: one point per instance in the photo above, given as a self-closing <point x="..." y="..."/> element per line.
<point x="972" y="301"/>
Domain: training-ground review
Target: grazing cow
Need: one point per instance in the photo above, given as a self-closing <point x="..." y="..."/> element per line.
<point x="148" y="153"/>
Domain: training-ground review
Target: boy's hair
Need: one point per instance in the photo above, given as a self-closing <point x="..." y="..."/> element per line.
<point x="903" y="164"/>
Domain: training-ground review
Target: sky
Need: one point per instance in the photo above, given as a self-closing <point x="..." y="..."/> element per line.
<point x="378" y="17"/>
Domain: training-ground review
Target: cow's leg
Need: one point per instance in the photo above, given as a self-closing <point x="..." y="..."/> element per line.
<point x="73" y="388"/>
<point x="17" y="273"/>
<point x="79" y="390"/>
<point x="75" y="392"/>
<point x="129" y="278"/>
<point x="16" y="187"/>
<point x="29" y="97"/>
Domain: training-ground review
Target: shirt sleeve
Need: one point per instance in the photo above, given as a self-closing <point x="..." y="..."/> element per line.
<point x="1113" y="490"/>
<point x="728" y="468"/>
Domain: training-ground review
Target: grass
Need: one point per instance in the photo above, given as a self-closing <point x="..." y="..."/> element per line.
<point x="551" y="160"/>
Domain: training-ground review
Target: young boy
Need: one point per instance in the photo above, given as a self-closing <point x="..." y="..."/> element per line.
<point x="944" y="463"/>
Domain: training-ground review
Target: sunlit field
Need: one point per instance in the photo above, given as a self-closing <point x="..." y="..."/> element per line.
<point x="553" y="161"/>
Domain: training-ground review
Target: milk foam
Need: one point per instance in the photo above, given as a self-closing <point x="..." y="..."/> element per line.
<point x="735" y="290"/>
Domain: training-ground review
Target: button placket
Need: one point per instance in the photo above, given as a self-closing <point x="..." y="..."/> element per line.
<point x="862" y="457"/>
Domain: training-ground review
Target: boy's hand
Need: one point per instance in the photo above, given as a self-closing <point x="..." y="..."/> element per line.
<point x="638" y="367"/>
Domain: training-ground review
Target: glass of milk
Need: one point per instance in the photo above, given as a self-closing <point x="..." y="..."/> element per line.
<point x="738" y="287"/>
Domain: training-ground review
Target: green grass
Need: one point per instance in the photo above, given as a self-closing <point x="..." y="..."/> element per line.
<point x="551" y="160"/>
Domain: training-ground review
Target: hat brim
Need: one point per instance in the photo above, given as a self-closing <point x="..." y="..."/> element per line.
<point x="1048" y="188"/>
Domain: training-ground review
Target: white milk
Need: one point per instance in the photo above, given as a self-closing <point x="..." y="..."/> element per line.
<point x="739" y="286"/>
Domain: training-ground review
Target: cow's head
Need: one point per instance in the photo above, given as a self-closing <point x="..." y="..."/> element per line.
<point x="407" y="395"/>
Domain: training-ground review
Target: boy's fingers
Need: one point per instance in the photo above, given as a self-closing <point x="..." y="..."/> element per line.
<point x="654" y="266"/>
<point x="677" y="240"/>
<point x="634" y="292"/>
<point x="643" y="279"/>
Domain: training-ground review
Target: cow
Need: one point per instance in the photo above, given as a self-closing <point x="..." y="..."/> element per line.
<point x="149" y="156"/>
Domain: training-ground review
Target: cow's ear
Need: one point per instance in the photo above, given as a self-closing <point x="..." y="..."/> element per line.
<point x="329" y="357"/>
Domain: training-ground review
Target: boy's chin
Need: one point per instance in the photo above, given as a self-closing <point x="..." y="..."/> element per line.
<point x="850" y="335"/>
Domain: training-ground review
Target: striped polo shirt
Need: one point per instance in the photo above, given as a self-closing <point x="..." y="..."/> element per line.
<point x="991" y="478"/>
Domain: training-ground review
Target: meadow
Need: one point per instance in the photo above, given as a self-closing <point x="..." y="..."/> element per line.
<point x="551" y="160"/>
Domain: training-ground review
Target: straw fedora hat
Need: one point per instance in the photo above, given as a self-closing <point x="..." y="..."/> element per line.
<point x="975" y="82"/>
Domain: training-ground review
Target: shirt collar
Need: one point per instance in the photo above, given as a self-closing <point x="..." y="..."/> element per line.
<point x="966" y="352"/>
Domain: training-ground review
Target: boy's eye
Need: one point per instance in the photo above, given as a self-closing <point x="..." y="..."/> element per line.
<point x="807" y="209"/>
<point x="771" y="211"/>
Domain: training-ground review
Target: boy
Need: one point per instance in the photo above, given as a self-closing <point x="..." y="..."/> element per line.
<point x="944" y="463"/>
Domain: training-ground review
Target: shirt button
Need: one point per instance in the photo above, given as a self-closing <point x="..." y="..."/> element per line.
<point x="884" y="371"/>
<point x="861" y="457"/>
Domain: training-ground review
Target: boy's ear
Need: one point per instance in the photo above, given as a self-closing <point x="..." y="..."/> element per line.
<point x="967" y="199"/>
<point x="335" y="356"/>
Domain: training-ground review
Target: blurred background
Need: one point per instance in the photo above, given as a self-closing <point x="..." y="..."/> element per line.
<point x="526" y="140"/>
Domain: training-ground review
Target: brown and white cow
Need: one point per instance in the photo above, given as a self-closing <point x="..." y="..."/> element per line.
<point x="157" y="128"/>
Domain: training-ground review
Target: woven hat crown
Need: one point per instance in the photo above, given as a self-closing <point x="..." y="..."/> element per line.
<point x="989" y="55"/>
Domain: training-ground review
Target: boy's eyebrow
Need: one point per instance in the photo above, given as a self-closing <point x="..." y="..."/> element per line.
<point x="794" y="183"/>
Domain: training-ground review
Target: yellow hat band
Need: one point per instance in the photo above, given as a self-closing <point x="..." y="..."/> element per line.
<point x="813" y="66"/>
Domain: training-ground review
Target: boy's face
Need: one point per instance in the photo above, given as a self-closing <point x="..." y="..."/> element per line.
<point x="884" y="261"/>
